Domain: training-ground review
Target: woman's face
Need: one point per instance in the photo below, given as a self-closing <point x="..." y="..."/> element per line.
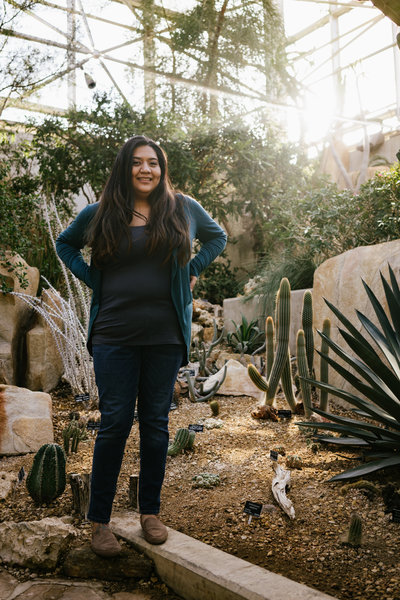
<point x="146" y="171"/>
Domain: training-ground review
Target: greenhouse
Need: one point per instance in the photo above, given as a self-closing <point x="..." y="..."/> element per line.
<point x="200" y="299"/>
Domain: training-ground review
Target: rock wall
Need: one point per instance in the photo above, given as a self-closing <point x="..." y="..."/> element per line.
<point x="339" y="280"/>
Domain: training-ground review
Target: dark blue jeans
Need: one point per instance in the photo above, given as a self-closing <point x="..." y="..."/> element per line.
<point x="122" y="374"/>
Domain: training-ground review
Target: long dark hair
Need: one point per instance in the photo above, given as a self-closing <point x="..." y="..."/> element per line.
<point x="167" y="225"/>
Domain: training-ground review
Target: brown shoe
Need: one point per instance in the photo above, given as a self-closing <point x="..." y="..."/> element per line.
<point x="104" y="543"/>
<point x="154" y="531"/>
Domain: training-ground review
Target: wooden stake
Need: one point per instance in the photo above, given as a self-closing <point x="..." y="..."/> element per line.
<point x="80" y="486"/>
<point x="134" y="491"/>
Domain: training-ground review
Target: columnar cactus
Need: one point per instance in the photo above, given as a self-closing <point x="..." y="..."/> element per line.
<point x="269" y="345"/>
<point x="324" y="368"/>
<point x="307" y="321"/>
<point x="302" y="367"/>
<point x="72" y="435"/>
<point x="287" y="384"/>
<point x="354" y="536"/>
<point x="182" y="439"/>
<point x="46" y="479"/>
<point x="282" y="323"/>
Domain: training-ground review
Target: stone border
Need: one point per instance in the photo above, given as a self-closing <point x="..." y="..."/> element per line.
<point x="196" y="570"/>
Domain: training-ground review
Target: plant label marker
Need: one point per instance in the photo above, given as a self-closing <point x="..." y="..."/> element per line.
<point x="253" y="509"/>
<point x="82" y="398"/>
<point x="21" y="474"/>
<point x="93" y="426"/>
<point x="396" y="515"/>
<point x="273" y="454"/>
<point x="284" y="414"/>
<point x="196" y="427"/>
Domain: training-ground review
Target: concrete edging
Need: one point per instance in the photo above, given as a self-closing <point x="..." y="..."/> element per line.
<point x="197" y="571"/>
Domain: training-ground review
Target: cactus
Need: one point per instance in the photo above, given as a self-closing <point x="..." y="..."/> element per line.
<point x="180" y="442"/>
<point x="202" y="352"/>
<point x="294" y="462"/>
<point x="205" y="480"/>
<point x="307" y="321"/>
<point x="354" y="535"/>
<point x="282" y="322"/>
<point x="73" y="434"/>
<point x="287" y="384"/>
<point x="199" y="395"/>
<point x="269" y="345"/>
<point x="190" y="442"/>
<point x="302" y="368"/>
<point x="214" y="405"/>
<point x="46" y="479"/>
<point x="324" y="375"/>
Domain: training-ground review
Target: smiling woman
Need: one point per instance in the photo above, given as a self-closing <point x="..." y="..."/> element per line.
<point x="142" y="275"/>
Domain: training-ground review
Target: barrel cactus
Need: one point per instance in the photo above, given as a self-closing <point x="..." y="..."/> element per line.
<point x="181" y="440"/>
<point x="46" y="479"/>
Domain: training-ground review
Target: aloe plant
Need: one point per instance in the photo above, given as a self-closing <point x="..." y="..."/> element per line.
<point x="246" y="338"/>
<point x="376" y="380"/>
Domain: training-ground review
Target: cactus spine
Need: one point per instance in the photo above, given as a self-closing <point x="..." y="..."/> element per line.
<point x="180" y="442"/>
<point x="282" y="324"/>
<point x="269" y="345"/>
<point x="307" y="321"/>
<point x="354" y="536"/>
<point x="324" y="368"/>
<point x="46" y="479"/>
<point x="302" y="367"/>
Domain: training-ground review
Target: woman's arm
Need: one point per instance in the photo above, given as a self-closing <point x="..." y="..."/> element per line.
<point x="210" y="235"/>
<point x="70" y="242"/>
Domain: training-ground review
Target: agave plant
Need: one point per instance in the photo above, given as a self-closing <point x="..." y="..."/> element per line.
<point x="246" y="338"/>
<point x="377" y="380"/>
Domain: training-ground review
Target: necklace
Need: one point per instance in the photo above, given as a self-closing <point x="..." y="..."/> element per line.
<point x="139" y="215"/>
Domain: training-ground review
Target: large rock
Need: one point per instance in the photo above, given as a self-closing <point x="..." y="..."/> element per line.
<point x="35" y="544"/>
<point x="83" y="563"/>
<point x="7" y="482"/>
<point x="44" y="366"/>
<point x="237" y="382"/>
<point x="339" y="280"/>
<point x="25" y="420"/>
<point x="14" y="316"/>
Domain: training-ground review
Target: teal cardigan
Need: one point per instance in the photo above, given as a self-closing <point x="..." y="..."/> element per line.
<point x="201" y="226"/>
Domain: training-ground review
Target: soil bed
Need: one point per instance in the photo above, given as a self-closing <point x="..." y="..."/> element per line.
<point x="307" y="549"/>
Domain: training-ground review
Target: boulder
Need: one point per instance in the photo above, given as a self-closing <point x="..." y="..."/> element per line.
<point x="83" y="563"/>
<point x="197" y="333"/>
<point x="35" y="544"/>
<point x="44" y="365"/>
<point x="237" y="382"/>
<point x="338" y="280"/>
<point x="25" y="420"/>
<point x="7" y="481"/>
<point x="14" y="316"/>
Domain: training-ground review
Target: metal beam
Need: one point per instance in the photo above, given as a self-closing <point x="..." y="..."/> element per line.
<point x="316" y="25"/>
<point x="89" y="15"/>
<point x="33" y="106"/>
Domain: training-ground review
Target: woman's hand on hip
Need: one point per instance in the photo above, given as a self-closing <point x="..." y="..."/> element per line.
<point x="193" y="280"/>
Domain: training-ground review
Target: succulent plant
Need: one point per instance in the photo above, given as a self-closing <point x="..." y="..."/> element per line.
<point x="202" y="351"/>
<point x="282" y="323"/>
<point x="324" y="367"/>
<point x="214" y="405"/>
<point x="354" y="535"/>
<point x="294" y="462"/>
<point x="46" y="480"/>
<point x="205" y="480"/>
<point x="302" y="368"/>
<point x="180" y="442"/>
<point x="307" y="322"/>
<point x="246" y="338"/>
<point x="72" y="435"/>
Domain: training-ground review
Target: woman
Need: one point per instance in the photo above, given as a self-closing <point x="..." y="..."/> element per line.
<point x="142" y="277"/>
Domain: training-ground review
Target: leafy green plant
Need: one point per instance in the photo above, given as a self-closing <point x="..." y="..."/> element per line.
<point x="377" y="380"/>
<point x="246" y="338"/>
<point x="217" y="282"/>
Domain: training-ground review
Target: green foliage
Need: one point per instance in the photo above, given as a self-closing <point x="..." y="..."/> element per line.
<point x="376" y="380"/>
<point x="217" y="282"/>
<point x="317" y="221"/>
<point x="46" y="479"/>
<point x="246" y="338"/>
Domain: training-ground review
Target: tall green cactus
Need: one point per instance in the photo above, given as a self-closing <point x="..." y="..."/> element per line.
<point x="282" y="324"/>
<point x="46" y="479"/>
<point x="307" y="322"/>
<point x="324" y="367"/>
<point x="287" y="384"/>
<point x="302" y="367"/>
<point x="269" y="345"/>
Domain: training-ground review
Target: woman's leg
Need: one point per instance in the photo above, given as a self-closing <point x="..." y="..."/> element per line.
<point x="159" y="368"/>
<point x="117" y="374"/>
